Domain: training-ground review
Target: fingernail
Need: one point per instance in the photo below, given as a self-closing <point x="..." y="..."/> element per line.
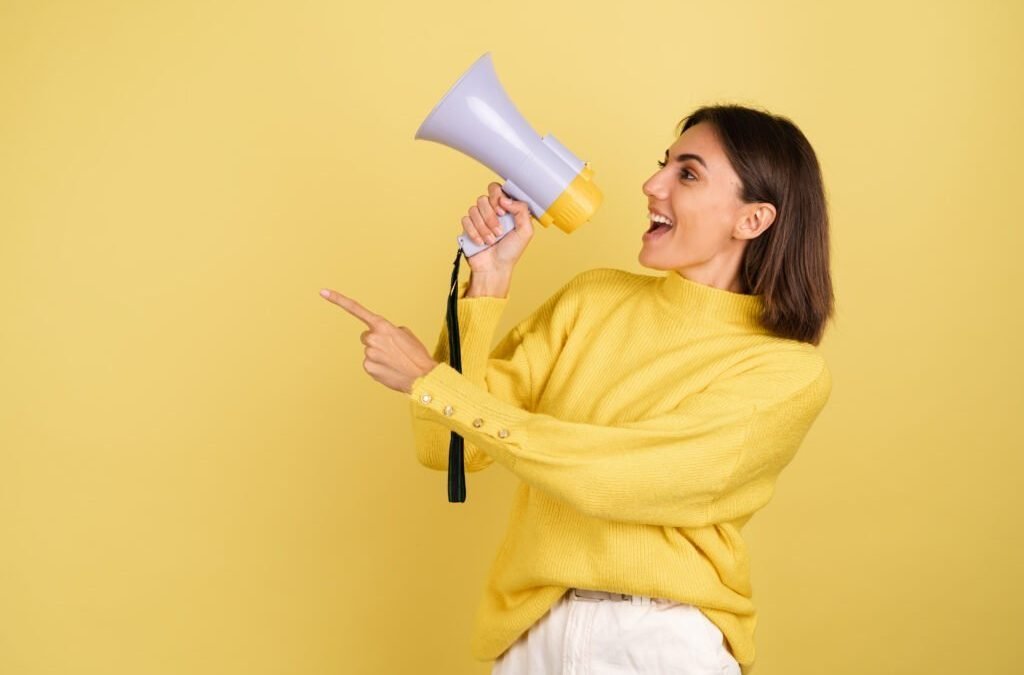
<point x="324" y="292"/>
<point x="501" y="212"/>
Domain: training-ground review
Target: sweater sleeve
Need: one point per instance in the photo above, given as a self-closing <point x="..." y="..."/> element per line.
<point x="504" y="372"/>
<point x="713" y="458"/>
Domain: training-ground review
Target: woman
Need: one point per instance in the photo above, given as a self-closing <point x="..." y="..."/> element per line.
<point x="647" y="417"/>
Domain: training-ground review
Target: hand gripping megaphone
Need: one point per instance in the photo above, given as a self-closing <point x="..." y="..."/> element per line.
<point x="477" y="118"/>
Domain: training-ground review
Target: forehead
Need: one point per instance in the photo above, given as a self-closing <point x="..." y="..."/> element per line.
<point x="700" y="139"/>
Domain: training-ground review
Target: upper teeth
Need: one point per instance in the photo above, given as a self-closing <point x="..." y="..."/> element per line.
<point x="658" y="218"/>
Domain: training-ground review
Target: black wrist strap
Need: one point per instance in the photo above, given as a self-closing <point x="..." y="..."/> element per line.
<point x="456" y="456"/>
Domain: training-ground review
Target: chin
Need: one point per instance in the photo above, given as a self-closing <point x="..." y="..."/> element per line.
<point x="649" y="260"/>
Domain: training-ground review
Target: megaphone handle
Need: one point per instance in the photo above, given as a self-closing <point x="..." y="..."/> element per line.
<point x="471" y="248"/>
<point x="507" y="222"/>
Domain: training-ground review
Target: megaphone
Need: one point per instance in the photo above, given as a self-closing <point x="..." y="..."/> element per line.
<point x="477" y="118"/>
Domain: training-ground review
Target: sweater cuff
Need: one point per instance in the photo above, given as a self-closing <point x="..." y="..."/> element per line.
<point x="446" y="396"/>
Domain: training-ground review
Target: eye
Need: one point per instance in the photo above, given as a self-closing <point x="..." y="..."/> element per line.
<point x="683" y="173"/>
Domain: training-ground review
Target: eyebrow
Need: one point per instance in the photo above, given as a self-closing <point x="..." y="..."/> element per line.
<point x="687" y="155"/>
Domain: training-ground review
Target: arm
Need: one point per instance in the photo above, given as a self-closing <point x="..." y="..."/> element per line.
<point x="713" y="458"/>
<point x="503" y="372"/>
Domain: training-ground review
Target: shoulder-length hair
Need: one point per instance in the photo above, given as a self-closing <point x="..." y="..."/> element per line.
<point x="788" y="264"/>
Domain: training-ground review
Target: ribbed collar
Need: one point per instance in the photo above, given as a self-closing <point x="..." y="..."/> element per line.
<point x="708" y="302"/>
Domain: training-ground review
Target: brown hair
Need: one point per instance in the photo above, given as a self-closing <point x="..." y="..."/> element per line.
<point x="788" y="264"/>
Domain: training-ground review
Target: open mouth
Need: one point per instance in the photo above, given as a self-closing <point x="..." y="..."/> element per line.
<point x="658" y="224"/>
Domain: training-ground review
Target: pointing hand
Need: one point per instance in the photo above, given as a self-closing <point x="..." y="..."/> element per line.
<point x="394" y="356"/>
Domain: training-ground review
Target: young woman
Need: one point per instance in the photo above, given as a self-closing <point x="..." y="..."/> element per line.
<point x="647" y="417"/>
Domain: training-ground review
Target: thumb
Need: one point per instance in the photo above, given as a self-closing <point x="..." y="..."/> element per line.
<point x="519" y="210"/>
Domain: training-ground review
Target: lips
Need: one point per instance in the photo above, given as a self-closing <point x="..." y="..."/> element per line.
<point x="657" y="231"/>
<point x="658" y="226"/>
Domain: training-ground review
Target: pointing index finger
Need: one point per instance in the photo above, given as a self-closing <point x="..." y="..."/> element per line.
<point x="353" y="308"/>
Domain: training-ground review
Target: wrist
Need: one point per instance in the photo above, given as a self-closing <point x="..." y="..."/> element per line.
<point x="423" y="372"/>
<point x="495" y="284"/>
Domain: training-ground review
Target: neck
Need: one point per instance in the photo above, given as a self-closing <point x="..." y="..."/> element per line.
<point x="708" y="302"/>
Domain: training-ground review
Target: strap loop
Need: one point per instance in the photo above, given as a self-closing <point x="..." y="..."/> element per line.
<point x="456" y="454"/>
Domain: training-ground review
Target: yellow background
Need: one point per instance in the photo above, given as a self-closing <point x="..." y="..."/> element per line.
<point x="196" y="475"/>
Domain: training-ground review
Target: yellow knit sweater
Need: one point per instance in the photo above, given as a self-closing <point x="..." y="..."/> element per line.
<point x="647" y="418"/>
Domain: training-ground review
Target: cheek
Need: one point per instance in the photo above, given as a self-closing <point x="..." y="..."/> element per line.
<point x="695" y="238"/>
<point x="690" y="207"/>
<point x="702" y="220"/>
<point x="690" y="222"/>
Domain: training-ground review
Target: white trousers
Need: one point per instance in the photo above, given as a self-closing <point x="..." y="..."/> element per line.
<point x="599" y="633"/>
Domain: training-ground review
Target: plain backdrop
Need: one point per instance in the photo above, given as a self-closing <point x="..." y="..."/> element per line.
<point x="197" y="476"/>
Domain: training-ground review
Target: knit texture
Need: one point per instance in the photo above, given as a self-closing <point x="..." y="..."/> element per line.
<point x="647" y="419"/>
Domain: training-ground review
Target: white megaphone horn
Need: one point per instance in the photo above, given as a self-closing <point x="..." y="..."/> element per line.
<point x="477" y="118"/>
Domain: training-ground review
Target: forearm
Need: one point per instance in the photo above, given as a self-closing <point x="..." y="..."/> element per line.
<point x="713" y="457"/>
<point x="478" y="319"/>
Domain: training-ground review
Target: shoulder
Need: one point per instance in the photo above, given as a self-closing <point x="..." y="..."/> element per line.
<point x="595" y="288"/>
<point x="605" y="283"/>
<point x="586" y="293"/>
<point x="780" y="370"/>
<point x="592" y="294"/>
<point x="609" y="275"/>
<point x="794" y="398"/>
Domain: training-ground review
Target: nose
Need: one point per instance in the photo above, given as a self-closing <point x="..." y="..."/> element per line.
<point x="655" y="187"/>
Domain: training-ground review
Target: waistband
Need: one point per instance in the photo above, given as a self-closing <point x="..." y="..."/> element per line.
<point x="589" y="595"/>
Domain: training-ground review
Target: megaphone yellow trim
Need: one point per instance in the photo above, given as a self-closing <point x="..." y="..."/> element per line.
<point x="577" y="203"/>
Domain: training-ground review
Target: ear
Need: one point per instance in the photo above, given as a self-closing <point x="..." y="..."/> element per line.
<point x="757" y="218"/>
